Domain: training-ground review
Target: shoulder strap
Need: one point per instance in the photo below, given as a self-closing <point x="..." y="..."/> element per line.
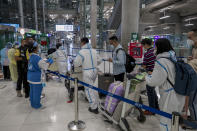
<point x="119" y="50"/>
<point x="166" y="71"/>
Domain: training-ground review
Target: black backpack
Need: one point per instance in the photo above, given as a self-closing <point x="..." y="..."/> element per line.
<point x="130" y="61"/>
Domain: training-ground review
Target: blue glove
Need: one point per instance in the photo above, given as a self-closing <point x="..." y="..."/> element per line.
<point x="50" y="61"/>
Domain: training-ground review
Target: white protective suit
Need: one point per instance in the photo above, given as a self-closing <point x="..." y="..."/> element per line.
<point x="170" y="101"/>
<point x="87" y="58"/>
<point x="61" y="60"/>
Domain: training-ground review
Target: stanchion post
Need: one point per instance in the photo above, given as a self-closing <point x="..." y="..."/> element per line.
<point x="175" y="121"/>
<point x="76" y="125"/>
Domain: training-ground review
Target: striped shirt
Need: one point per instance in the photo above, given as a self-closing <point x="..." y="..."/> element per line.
<point x="149" y="59"/>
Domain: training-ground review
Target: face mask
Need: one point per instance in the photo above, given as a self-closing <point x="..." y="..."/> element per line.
<point x="190" y="42"/>
<point x="155" y="52"/>
<point x="111" y="47"/>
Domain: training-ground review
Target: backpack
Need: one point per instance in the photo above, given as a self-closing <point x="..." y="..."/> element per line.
<point x="185" y="84"/>
<point x="130" y="61"/>
<point x="185" y="78"/>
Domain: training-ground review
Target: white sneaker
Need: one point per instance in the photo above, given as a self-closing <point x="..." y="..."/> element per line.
<point x="42" y="107"/>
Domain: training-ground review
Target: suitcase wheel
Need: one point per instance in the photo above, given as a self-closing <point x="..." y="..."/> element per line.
<point x="141" y="118"/>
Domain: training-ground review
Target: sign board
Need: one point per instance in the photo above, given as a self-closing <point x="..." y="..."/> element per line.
<point x="134" y="36"/>
<point x="64" y="28"/>
<point x="136" y="50"/>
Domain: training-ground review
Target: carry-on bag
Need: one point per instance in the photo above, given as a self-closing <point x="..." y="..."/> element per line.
<point x="111" y="103"/>
<point x="105" y="80"/>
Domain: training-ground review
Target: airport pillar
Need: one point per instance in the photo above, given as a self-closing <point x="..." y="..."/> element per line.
<point x="178" y="30"/>
<point x="93" y="22"/>
<point x="36" y="14"/>
<point x="129" y="20"/>
<point x="20" y="6"/>
<point x="84" y="16"/>
<point x="101" y="7"/>
<point x="43" y="12"/>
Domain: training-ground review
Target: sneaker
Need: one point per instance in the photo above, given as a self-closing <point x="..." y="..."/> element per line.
<point x="95" y="111"/>
<point x="19" y="94"/>
<point x="42" y="107"/>
<point x="148" y="113"/>
<point x="26" y="96"/>
<point x="42" y="96"/>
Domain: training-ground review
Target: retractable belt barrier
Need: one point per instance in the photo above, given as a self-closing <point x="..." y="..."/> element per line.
<point x="161" y="113"/>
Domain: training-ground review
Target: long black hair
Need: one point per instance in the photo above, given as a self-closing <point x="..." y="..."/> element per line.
<point x="163" y="45"/>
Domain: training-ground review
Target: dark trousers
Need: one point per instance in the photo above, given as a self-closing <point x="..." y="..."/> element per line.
<point x="6" y="72"/>
<point x="22" y="79"/>
<point x="119" y="77"/>
<point x="152" y="97"/>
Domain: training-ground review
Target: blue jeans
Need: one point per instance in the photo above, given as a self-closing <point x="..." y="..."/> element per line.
<point x="152" y="97"/>
<point x="35" y="94"/>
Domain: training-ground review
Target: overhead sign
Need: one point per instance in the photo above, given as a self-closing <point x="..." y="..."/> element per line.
<point x="14" y="25"/>
<point x="64" y="27"/>
<point x="134" y="36"/>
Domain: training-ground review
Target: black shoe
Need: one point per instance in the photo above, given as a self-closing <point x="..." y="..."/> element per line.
<point x="86" y="99"/>
<point x="26" y="96"/>
<point x="95" y="111"/>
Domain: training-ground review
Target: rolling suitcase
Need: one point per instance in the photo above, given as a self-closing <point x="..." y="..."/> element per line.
<point x="105" y="80"/>
<point x="111" y="103"/>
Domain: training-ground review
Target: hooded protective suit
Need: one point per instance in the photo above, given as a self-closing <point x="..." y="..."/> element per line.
<point x="61" y="60"/>
<point x="87" y="58"/>
<point x="13" y="65"/>
<point x="170" y="101"/>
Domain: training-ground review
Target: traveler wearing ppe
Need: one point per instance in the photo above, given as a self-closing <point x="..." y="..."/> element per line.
<point x="22" y="57"/>
<point x="164" y="70"/>
<point x="34" y="75"/>
<point x="148" y="64"/>
<point x="192" y="42"/>
<point x="119" y="59"/>
<point x="61" y="59"/>
<point x="5" y="61"/>
<point x="87" y="58"/>
<point x="13" y="65"/>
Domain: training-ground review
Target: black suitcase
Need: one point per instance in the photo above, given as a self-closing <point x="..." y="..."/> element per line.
<point x="105" y="80"/>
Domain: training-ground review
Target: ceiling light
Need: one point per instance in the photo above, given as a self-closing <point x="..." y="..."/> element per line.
<point x="166" y="28"/>
<point x="193" y="18"/>
<point x="166" y="8"/>
<point x="165" y="16"/>
<point x="189" y="24"/>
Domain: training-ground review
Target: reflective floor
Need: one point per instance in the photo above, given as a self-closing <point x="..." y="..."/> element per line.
<point x="17" y="115"/>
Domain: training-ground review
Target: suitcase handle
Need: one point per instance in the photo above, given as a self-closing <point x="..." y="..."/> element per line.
<point x="104" y="67"/>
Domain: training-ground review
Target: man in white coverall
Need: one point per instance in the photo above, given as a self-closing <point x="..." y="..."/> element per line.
<point x="61" y="59"/>
<point x="87" y="58"/>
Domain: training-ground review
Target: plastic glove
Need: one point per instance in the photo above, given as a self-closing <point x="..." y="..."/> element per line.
<point x="50" y="61"/>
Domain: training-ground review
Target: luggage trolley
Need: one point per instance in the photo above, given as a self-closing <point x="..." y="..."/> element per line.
<point x="121" y="111"/>
<point x="74" y="73"/>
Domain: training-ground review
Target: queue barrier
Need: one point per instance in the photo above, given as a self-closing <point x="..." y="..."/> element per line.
<point x="175" y="117"/>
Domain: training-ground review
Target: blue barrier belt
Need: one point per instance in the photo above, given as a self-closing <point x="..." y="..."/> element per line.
<point x="164" y="114"/>
<point x="167" y="115"/>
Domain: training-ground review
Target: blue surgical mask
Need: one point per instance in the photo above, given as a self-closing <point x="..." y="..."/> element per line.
<point x="111" y="47"/>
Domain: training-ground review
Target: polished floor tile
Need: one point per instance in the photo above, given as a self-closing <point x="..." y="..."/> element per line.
<point x="17" y="115"/>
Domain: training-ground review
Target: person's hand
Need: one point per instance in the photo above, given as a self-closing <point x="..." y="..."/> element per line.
<point x="189" y="58"/>
<point x="50" y="61"/>
<point x="110" y="60"/>
<point x="144" y="66"/>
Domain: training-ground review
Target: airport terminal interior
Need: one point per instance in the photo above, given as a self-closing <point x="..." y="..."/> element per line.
<point x="98" y="65"/>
